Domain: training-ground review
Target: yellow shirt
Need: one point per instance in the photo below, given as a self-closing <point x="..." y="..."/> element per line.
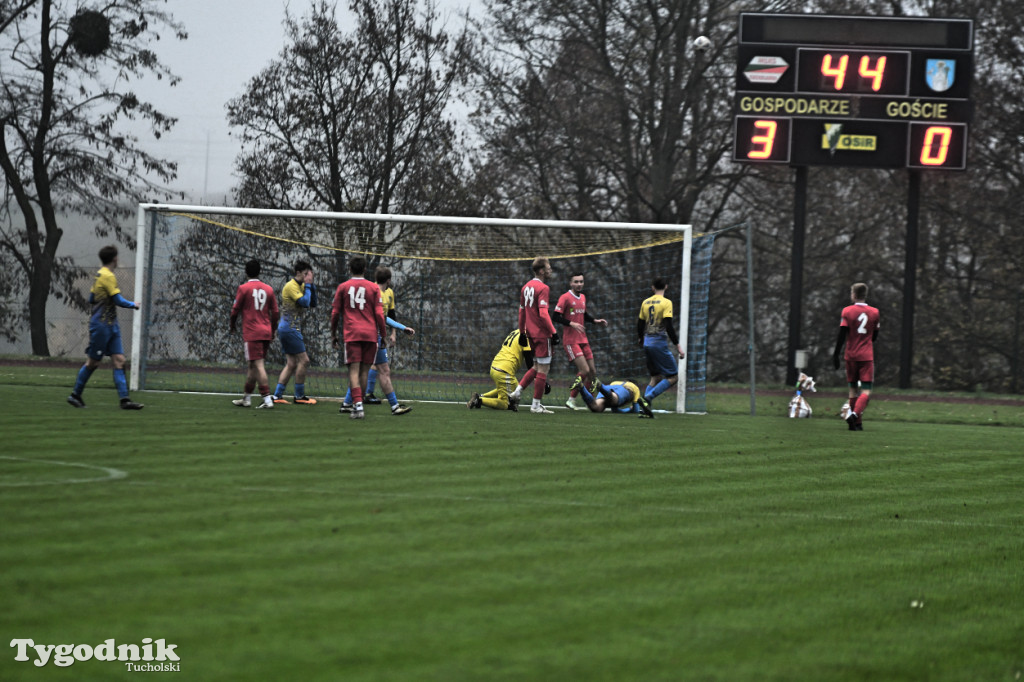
<point x="510" y="356"/>
<point x="103" y="291"/>
<point x="654" y="311"/>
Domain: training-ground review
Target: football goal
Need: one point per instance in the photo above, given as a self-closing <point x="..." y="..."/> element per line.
<point x="456" y="281"/>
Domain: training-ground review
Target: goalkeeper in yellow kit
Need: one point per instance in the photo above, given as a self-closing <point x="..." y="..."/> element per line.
<point x="511" y="357"/>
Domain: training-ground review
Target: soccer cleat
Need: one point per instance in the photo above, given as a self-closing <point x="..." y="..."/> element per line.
<point x="345" y="408"/>
<point x="571" y="404"/>
<point x="595" y="387"/>
<point x="851" y="419"/>
<point x="241" y="402"/>
<point x="540" y="409"/>
<point x="75" y="400"/>
<point x="305" y="400"/>
<point x="401" y="409"/>
<point x="858" y="427"/>
<point x="645" y="408"/>
<point x="128" y="404"/>
<point x="475" y="402"/>
<point x="371" y="399"/>
<point x="513" y="404"/>
<point x="280" y="401"/>
<point x="357" y="414"/>
<point x="266" y="405"/>
<point x="576" y="383"/>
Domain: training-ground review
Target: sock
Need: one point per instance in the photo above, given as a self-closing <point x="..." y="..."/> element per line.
<point x="861" y="405"/>
<point x="300" y="390"/>
<point x="371" y="382"/>
<point x="657" y="389"/>
<point x="527" y="378"/>
<point x="357" y="396"/>
<point x="83" y="376"/>
<point x="587" y="398"/>
<point x="606" y="391"/>
<point x="538" y="387"/>
<point x="392" y="399"/>
<point x="120" y="383"/>
<point x="348" y="397"/>
<point x="264" y="390"/>
<point x="279" y="391"/>
<point x="250" y="386"/>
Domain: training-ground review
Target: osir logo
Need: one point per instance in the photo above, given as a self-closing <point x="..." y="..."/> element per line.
<point x="64" y="655"/>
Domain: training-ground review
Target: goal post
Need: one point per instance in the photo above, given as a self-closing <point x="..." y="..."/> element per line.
<point x="456" y="279"/>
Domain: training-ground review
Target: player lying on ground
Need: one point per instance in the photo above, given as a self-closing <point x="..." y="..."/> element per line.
<point x="618" y="396"/>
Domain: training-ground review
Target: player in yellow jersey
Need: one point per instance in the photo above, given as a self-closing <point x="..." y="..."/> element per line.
<point x="655" y="330"/>
<point x="510" y="358"/>
<point x="104" y="332"/>
<point x="618" y="396"/>
<point x="297" y="296"/>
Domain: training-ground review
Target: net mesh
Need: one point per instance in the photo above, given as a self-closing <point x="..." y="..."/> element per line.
<point x="457" y="285"/>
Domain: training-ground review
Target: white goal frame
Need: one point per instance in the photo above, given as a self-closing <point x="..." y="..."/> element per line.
<point x="143" y="247"/>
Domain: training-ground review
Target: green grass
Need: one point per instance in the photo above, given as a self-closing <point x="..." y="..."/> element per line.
<point x="456" y="545"/>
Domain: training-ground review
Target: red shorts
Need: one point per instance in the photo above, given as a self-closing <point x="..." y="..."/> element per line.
<point x="360" y="351"/>
<point x="541" y="348"/>
<point x="576" y="350"/>
<point x="860" y="370"/>
<point x="256" y="350"/>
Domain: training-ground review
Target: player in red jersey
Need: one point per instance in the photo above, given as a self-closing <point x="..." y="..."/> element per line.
<point x="256" y="303"/>
<point x="571" y="313"/>
<point x="357" y="306"/>
<point x="858" y="329"/>
<point x="535" y="324"/>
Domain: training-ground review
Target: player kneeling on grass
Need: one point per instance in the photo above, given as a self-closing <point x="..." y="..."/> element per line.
<point x="618" y="396"/>
<point x="298" y="294"/>
<point x="104" y="332"/>
<point x="509" y="359"/>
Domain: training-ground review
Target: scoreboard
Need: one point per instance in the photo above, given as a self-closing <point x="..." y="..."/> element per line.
<point x="875" y="92"/>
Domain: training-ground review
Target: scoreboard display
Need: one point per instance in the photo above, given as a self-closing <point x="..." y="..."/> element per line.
<point x="875" y="92"/>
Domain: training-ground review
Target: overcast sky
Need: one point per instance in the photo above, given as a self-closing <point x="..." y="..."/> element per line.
<point x="229" y="42"/>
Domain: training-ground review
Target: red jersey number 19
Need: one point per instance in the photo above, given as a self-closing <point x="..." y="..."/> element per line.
<point x="259" y="299"/>
<point x="357" y="297"/>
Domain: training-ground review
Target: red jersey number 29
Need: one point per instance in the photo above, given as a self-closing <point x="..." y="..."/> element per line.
<point x="357" y="297"/>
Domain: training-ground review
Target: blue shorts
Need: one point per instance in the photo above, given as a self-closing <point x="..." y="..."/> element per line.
<point x="382" y="356"/>
<point x="104" y="339"/>
<point x="291" y="342"/>
<point x="660" y="359"/>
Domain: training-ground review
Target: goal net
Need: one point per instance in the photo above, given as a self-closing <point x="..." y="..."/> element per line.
<point x="456" y="282"/>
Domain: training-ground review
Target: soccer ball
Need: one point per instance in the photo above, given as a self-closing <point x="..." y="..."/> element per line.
<point x="702" y="44"/>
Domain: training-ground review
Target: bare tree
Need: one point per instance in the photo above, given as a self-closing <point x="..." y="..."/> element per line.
<point x="65" y="80"/>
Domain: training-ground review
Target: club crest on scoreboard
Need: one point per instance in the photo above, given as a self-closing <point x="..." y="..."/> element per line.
<point x="765" y="69"/>
<point x="940" y="74"/>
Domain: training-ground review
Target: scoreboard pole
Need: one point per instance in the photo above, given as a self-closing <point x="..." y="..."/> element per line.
<point x="796" y="271"/>
<point x="910" y="278"/>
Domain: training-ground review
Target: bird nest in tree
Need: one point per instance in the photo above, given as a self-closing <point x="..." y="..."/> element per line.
<point x="90" y="32"/>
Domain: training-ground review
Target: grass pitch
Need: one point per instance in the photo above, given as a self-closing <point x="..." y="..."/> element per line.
<point x="450" y="544"/>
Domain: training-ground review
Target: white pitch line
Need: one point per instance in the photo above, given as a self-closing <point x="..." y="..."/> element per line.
<point x="807" y="516"/>
<point x="112" y="474"/>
